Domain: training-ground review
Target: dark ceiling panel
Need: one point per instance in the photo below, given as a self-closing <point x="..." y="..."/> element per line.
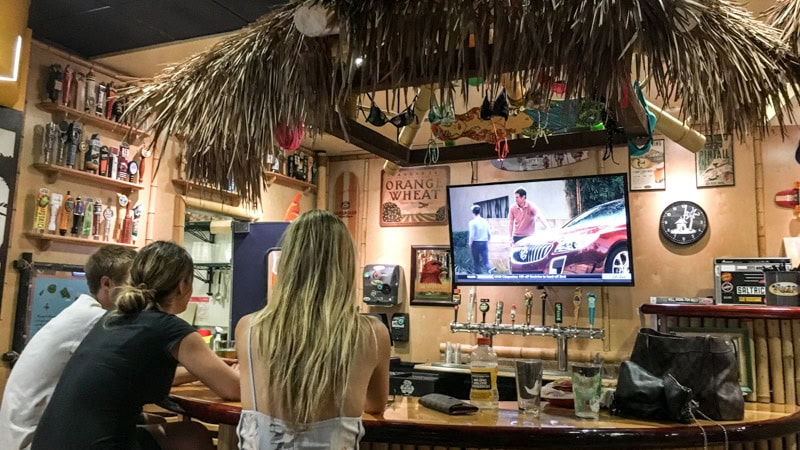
<point x="91" y="28"/>
<point x="251" y="10"/>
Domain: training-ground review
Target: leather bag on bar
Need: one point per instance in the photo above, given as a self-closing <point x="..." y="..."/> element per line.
<point x="705" y="364"/>
<point x="642" y="395"/>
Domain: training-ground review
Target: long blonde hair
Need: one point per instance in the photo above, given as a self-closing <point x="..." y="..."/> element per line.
<point x="156" y="272"/>
<point x="309" y="330"/>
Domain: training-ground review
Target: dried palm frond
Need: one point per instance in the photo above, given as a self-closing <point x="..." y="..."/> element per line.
<point x="785" y="16"/>
<point x="723" y="65"/>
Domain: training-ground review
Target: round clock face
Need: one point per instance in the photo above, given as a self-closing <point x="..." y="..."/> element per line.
<point x="683" y="223"/>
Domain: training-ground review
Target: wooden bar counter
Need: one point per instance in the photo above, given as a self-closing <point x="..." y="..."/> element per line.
<point x="408" y="425"/>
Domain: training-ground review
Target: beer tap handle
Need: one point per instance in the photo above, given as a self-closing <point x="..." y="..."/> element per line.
<point x="576" y="300"/>
<point x="591" y="301"/>
<point x="543" y="297"/>
<point x="484" y="307"/>
<point x="513" y="314"/>
<point x="455" y="313"/>
<point x="559" y="313"/>
<point x="528" y="306"/>
<point x="499" y="315"/>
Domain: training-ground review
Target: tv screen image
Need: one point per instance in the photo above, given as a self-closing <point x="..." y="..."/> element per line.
<point x="561" y="231"/>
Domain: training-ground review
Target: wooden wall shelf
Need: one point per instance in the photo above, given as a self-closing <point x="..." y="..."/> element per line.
<point x="726" y="311"/>
<point x="197" y="190"/>
<point x="91" y="119"/>
<point x="53" y="172"/>
<point x="43" y="240"/>
<point x="277" y="178"/>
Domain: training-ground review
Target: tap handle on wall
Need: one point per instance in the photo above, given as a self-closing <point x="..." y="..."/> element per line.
<point x="499" y="316"/>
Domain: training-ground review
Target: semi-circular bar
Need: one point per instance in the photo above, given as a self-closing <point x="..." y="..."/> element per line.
<point x="727" y="311"/>
<point x="406" y="422"/>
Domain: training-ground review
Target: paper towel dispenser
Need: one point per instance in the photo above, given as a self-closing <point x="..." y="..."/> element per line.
<point x="382" y="284"/>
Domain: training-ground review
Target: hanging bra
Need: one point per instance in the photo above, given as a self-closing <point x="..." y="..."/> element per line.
<point x="378" y="118"/>
<point x="444" y="114"/>
<point x="498" y="108"/>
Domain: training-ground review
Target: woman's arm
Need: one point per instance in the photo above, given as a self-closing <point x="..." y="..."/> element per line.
<point x="193" y="353"/>
<point x="378" y="388"/>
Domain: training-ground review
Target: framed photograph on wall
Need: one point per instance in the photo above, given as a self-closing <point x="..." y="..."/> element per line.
<point x="431" y="275"/>
<point x="647" y="172"/>
<point x="741" y="342"/>
<point x="714" y="163"/>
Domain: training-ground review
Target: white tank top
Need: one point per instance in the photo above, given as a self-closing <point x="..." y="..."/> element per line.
<point x="258" y="431"/>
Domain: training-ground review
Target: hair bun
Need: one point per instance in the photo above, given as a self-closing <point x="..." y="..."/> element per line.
<point x="149" y="294"/>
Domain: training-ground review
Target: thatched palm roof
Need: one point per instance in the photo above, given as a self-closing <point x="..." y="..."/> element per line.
<point x="724" y="66"/>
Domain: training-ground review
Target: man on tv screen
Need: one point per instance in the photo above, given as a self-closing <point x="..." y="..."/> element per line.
<point x="522" y="217"/>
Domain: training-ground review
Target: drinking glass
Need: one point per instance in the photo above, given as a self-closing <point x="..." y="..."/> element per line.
<point x="529" y="385"/>
<point x="586" y="389"/>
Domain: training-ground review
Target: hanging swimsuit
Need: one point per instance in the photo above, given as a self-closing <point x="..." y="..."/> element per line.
<point x="378" y="118"/>
<point x="258" y="431"/>
<point x="500" y="109"/>
<point x="444" y="114"/>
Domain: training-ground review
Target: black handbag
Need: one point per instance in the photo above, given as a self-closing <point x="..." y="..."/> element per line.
<point x="642" y="395"/>
<point x="705" y="364"/>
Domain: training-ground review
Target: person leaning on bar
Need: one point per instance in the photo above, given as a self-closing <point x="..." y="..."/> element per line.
<point x="129" y="359"/>
<point x="311" y="364"/>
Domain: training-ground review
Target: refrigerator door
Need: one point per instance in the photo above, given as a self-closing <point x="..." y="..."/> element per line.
<point x="252" y="262"/>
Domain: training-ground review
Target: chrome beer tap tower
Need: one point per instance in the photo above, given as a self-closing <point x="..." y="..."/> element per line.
<point x="558" y="331"/>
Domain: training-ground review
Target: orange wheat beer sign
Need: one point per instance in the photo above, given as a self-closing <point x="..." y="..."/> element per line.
<point x="414" y="197"/>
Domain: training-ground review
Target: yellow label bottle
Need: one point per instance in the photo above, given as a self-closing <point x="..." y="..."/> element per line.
<point x="483" y="376"/>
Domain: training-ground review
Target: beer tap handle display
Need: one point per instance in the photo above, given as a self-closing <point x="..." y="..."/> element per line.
<point x="499" y="315"/>
<point x="591" y="301"/>
<point x="528" y="306"/>
<point x="577" y="300"/>
<point x="484" y="308"/>
<point x="513" y="314"/>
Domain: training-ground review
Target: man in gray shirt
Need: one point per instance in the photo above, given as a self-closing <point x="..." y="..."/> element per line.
<point x="479" y="236"/>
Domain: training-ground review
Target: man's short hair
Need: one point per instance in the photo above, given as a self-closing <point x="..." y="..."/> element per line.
<point x="476" y="209"/>
<point x="522" y="192"/>
<point x="113" y="261"/>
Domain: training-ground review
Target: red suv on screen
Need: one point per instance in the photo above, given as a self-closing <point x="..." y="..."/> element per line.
<point x="595" y="241"/>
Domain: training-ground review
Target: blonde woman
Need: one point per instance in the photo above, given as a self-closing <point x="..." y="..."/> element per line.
<point x="129" y="359"/>
<point x="311" y="365"/>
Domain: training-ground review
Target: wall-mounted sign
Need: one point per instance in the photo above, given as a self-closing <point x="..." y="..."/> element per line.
<point x="414" y="197"/>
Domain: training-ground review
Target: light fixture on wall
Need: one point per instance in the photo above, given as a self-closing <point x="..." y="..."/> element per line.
<point x="17" y="56"/>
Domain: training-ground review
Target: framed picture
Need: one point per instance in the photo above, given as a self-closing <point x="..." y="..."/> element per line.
<point x="714" y="163"/>
<point x="741" y="342"/>
<point x="431" y="275"/>
<point x="647" y="172"/>
<point x="414" y="197"/>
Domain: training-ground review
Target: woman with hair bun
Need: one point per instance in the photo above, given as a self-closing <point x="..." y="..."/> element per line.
<point x="129" y="359"/>
<point x="313" y="364"/>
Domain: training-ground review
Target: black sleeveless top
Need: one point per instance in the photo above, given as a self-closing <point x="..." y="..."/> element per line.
<point x="121" y="365"/>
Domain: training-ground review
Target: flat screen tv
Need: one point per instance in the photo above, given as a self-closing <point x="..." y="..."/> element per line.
<point x="562" y="231"/>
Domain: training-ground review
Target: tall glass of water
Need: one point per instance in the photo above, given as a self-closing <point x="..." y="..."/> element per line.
<point x="586" y="387"/>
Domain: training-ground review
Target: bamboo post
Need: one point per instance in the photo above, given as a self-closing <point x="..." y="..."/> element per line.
<point x="683" y="322"/>
<point x="734" y="323"/>
<point x="776" y="444"/>
<point x="790" y="442"/>
<point x="178" y="220"/>
<point x="762" y="361"/>
<point x="721" y="322"/>
<point x="762" y="445"/>
<point x="709" y="322"/>
<point x="696" y="322"/>
<point x="795" y="336"/>
<point x="749" y="446"/>
<point x="787" y="355"/>
<point x="758" y="159"/>
<point x="775" y="363"/>
<point x="748" y="324"/>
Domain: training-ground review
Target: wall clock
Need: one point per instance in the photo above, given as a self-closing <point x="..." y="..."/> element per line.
<point x="683" y="222"/>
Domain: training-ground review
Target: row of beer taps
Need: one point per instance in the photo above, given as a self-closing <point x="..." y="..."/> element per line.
<point x="484" y="307"/>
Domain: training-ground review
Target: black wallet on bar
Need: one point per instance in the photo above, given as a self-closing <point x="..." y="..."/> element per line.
<point x="447" y="404"/>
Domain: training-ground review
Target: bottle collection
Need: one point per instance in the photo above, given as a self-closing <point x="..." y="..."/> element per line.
<point x="87" y="218"/>
<point x="82" y="92"/>
<point x="299" y="165"/>
<point x="63" y="144"/>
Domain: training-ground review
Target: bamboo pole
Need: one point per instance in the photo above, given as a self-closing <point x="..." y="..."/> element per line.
<point x="748" y="324"/>
<point x="776" y="444"/>
<point x="178" y="220"/>
<point x="795" y="336"/>
<point x="775" y="364"/>
<point x="790" y="442"/>
<point x="762" y="361"/>
<point x="228" y="210"/>
<point x="787" y="355"/>
<point x="758" y="157"/>
<point x="322" y="180"/>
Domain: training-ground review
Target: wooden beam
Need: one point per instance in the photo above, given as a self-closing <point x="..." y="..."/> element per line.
<point x="521" y="147"/>
<point x="372" y="141"/>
